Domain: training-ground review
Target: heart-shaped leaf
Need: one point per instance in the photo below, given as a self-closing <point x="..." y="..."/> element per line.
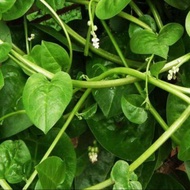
<point x="50" y="56"/>
<point x="170" y="33"/>
<point x="45" y="101"/>
<point x="51" y="172"/>
<point x="132" y="108"/>
<point x="123" y="178"/>
<point x="106" y="9"/>
<point x="147" y="42"/>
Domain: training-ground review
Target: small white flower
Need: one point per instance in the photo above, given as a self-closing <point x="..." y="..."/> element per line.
<point x="89" y="23"/>
<point x="93" y="157"/>
<point x="32" y="36"/>
<point x="172" y="73"/>
<point x="95" y="42"/>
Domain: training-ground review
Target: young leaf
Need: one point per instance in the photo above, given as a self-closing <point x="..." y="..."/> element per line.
<point x="131" y="106"/>
<point x="106" y="9"/>
<point x="146" y="42"/>
<point x="50" y="56"/>
<point x="51" y="172"/>
<point x="170" y="34"/>
<point x="123" y="178"/>
<point x="184" y="149"/>
<point x="45" y="101"/>
<point x="13" y="157"/>
<point x="6" y="5"/>
<point x="19" y="8"/>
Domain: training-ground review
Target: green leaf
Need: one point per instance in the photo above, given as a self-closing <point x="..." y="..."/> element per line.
<point x="45" y="101"/>
<point x="50" y="56"/>
<point x="106" y="9"/>
<point x="89" y="111"/>
<point x="121" y="137"/>
<point x="51" y="172"/>
<point x="5" y="48"/>
<point x="132" y="108"/>
<point x="183" y="4"/>
<point x="123" y="178"/>
<point x="6" y="5"/>
<point x="175" y="106"/>
<point x="147" y="42"/>
<point x="13" y="157"/>
<point x="108" y="100"/>
<point x="170" y="34"/>
<point x="10" y="101"/>
<point x="19" y="8"/>
<point x="96" y="172"/>
<point x="5" y="34"/>
<point x="155" y="68"/>
<point x="184" y="149"/>
<point x="187" y="23"/>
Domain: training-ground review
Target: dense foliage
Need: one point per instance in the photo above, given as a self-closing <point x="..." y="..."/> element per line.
<point x="94" y="94"/>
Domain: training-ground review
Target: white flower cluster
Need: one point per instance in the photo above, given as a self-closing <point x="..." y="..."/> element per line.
<point x="172" y="73"/>
<point x="32" y="36"/>
<point x="95" y="39"/>
<point x="93" y="153"/>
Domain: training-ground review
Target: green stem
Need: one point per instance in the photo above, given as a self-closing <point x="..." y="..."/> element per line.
<point x="5" y="185"/>
<point x="119" y="52"/>
<point x="136" y="9"/>
<point x="31" y="65"/>
<point x="60" y="22"/>
<point x="155" y="14"/>
<point x="66" y="124"/>
<point x="140" y="160"/>
<point x="26" y="35"/>
<point x="162" y="123"/>
<point x="161" y="140"/>
<point x="121" y="70"/>
<point x="11" y="114"/>
<point x="101" y="185"/>
<point x="134" y="20"/>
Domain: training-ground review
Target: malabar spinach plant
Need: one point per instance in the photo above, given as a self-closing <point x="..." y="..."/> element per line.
<point x="94" y="94"/>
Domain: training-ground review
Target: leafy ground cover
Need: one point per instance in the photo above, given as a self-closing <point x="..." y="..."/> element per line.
<point x="94" y="94"/>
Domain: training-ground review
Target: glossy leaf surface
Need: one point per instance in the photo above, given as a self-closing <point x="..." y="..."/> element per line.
<point x="123" y="178"/>
<point x="51" y="172"/>
<point x="50" y="56"/>
<point x="1" y="80"/>
<point x="11" y="101"/>
<point x="183" y="4"/>
<point x="5" y="48"/>
<point x="13" y="156"/>
<point x="106" y="9"/>
<point x="19" y="8"/>
<point x="187" y="23"/>
<point x="122" y="137"/>
<point x="5" y="34"/>
<point x="132" y="108"/>
<point x="147" y="42"/>
<point x="45" y="101"/>
<point x="6" y="5"/>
